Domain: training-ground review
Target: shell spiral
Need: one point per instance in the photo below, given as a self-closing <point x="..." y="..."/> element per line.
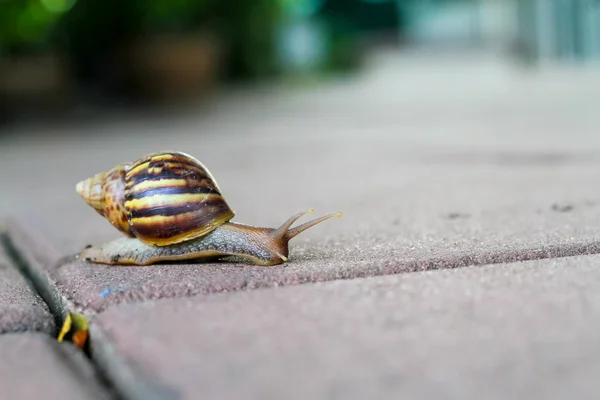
<point x="163" y="198"/>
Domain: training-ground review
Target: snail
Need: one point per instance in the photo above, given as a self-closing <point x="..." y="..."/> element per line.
<point x="170" y="208"/>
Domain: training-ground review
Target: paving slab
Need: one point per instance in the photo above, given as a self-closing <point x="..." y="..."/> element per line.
<point x="518" y="331"/>
<point x="33" y="365"/>
<point x="402" y="218"/>
<point x="21" y="308"/>
<point x="504" y="169"/>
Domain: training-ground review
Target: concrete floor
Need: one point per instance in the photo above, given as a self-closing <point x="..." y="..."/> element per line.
<point x="437" y="162"/>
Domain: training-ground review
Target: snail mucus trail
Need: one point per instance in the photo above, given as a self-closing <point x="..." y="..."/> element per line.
<point x="170" y="208"/>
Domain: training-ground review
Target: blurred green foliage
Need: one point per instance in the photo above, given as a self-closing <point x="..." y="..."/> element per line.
<point x="27" y="25"/>
<point x="82" y="28"/>
<point x="249" y="27"/>
<point x="173" y="14"/>
<point x="91" y="32"/>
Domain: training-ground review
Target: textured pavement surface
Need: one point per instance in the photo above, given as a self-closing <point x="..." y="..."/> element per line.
<point x="425" y="218"/>
<point x="517" y="331"/>
<point x="32" y="365"/>
<point x="477" y="163"/>
<point x="21" y="308"/>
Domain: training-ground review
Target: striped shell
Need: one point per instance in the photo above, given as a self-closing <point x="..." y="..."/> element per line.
<point x="163" y="198"/>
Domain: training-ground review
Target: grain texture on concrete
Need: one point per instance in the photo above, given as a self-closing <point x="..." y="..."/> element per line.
<point x="524" y="330"/>
<point x="404" y="218"/>
<point x="504" y="169"/>
<point x="34" y="366"/>
<point x="21" y="309"/>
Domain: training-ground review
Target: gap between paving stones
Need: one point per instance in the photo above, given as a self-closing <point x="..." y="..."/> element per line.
<point x="118" y="373"/>
<point x="271" y="278"/>
<point x="32" y="263"/>
<point x="23" y="310"/>
<point x="114" y="371"/>
<point x="37" y="280"/>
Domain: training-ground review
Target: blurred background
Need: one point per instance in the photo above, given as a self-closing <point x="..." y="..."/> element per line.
<point x="59" y="57"/>
<point x="288" y="96"/>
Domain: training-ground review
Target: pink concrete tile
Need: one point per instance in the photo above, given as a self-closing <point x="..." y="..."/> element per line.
<point x="523" y="330"/>
<point x="36" y="366"/>
<point x="21" y="308"/>
<point x="402" y="217"/>
<point x="425" y="178"/>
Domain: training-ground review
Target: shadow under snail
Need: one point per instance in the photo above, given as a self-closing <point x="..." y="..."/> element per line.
<point x="170" y="208"/>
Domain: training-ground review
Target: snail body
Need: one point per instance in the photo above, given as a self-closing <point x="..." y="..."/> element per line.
<point x="169" y="207"/>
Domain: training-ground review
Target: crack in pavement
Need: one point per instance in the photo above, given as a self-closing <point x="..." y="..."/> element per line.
<point x="112" y="371"/>
<point x="131" y="381"/>
<point x="37" y="280"/>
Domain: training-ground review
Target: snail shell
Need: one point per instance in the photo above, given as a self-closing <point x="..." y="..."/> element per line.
<point x="170" y="208"/>
<point x="161" y="199"/>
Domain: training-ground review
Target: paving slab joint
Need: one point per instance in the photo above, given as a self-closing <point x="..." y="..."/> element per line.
<point x="37" y="279"/>
<point x="132" y="381"/>
<point x="57" y="304"/>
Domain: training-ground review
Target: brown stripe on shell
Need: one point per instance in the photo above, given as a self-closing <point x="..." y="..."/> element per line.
<point x="163" y="230"/>
<point x="178" y="171"/>
<point x="166" y="185"/>
<point x="169" y="205"/>
<point x="134" y="170"/>
<point x="144" y="163"/>
<point x="156" y="190"/>
<point x="157" y="159"/>
<point x="187" y="159"/>
<point x="155" y="167"/>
